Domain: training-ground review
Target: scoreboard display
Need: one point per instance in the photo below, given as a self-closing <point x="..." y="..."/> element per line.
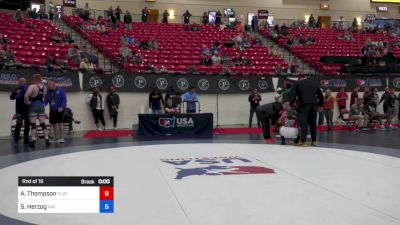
<point x="65" y="194"/>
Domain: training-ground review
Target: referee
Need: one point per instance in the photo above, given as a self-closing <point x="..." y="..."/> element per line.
<point x="311" y="100"/>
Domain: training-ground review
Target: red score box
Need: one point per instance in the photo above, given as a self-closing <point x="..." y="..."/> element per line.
<point x="106" y="193"/>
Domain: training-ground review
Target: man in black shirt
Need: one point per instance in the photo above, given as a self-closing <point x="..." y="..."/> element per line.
<point x="145" y="14"/>
<point x="311" y="100"/>
<point x="186" y="17"/>
<point x="266" y="113"/>
<point x="254" y="100"/>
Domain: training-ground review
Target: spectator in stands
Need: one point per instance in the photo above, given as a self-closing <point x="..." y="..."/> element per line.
<point x="68" y="39"/>
<point x="125" y="53"/>
<point x="215" y="49"/>
<point x="238" y="60"/>
<point x="118" y="12"/>
<point x="229" y="43"/>
<point x="205" y="51"/>
<point x="254" y="23"/>
<point x="113" y="22"/>
<point x="163" y="69"/>
<point x="254" y="99"/>
<point x="152" y="44"/>
<point x="56" y="37"/>
<point x="195" y="28"/>
<point x="51" y="63"/>
<point x="101" y="28"/>
<point x="137" y="58"/>
<point x="21" y="110"/>
<point x="52" y="10"/>
<point x="354" y="25"/>
<point x="341" y="98"/>
<point x="278" y="70"/>
<point x="226" y="70"/>
<point x="57" y="100"/>
<point x="145" y="14"/>
<point x="348" y="36"/>
<point x="94" y="60"/>
<point x="239" y="40"/>
<point x="9" y="55"/>
<point x="216" y="60"/>
<point x="192" y="69"/>
<point x="165" y="16"/>
<point x="128" y="20"/>
<point x="19" y="16"/>
<point x="95" y="101"/>
<point x="226" y="60"/>
<point x="204" y="18"/>
<point x="144" y="44"/>
<point x="218" y="18"/>
<point x="186" y="17"/>
<point x="3" y="40"/>
<point x="85" y="64"/>
<point x="124" y="39"/>
<point x="110" y="12"/>
<point x="358" y="114"/>
<point x="340" y="23"/>
<point x="112" y="101"/>
<point x="33" y="14"/>
<point x="246" y="42"/>
<point x="170" y="107"/>
<point x="83" y="52"/>
<point x="354" y="95"/>
<point x="329" y="106"/>
<point x="191" y="98"/>
<point x="73" y="54"/>
<point x="311" y="21"/>
<point x="155" y="101"/>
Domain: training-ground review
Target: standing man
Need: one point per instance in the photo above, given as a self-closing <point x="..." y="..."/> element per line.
<point x="57" y="99"/>
<point x="112" y="101"/>
<point x="268" y="112"/>
<point x="341" y="98"/>
<point x="96" y="104"/>
<point x="329" y="106"/>
<point x="145" y="14"/>
<point x="186" y="17"/>
<point x="191" y="98"/>
<point x="128" y="20"/>
<point x="385" y="99"/>
<point x="254" y="100"/>
<point x="354" y="95"/>
<point x="34" y="97"/>
<point x="311" y="101"/>
<point x="21" y="111"/>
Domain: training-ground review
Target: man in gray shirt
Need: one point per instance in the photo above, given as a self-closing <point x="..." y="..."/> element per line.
<point x="358" y="114"/>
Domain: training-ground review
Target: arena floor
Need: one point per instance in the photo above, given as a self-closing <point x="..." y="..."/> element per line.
<point x="351" y="178"/>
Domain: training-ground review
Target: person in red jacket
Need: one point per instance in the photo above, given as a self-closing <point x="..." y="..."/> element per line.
<point x="341" y="98"/>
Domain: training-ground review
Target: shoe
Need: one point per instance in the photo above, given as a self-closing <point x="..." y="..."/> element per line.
<point x="269" y="141"/>
<point x="32" y="144"/>
<point x="314" y="144"/>
<point x="53" y="140"/>
<point x="283" y="141"/>
<point x="301" y="144"/>
<point x="26" y="142"/>
<point x="47" y="142"/>
<point x="99" y="129"/>
<point x="61" y="140"/>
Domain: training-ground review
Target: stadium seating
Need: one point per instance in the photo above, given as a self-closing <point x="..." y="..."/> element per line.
<point x="178" y="49"/>
<point x="327" y="44"/>
<point x="31" y="41"/>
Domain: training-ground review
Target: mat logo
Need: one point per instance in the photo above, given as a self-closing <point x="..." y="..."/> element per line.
<point x="176" y="122"/>
<point x="215" y="166"/>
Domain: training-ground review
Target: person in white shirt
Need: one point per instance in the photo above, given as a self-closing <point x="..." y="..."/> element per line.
<point x="341" y="23"/>
<point x="216" y="59"/>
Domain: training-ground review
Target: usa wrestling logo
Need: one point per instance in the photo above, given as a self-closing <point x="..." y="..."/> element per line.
<point x="176" y="122"/>
<point x="166" y="122"/>
<point x="215" y="166"/>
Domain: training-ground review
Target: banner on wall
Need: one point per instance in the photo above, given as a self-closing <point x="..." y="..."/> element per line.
<point x="394" y="82"/>
<point x="68" y="80"/>
<point x="202" y="83"/>
<point x="337" y="83"/>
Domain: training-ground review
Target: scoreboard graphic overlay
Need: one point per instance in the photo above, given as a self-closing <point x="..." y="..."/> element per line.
<point x="65" y="194"/>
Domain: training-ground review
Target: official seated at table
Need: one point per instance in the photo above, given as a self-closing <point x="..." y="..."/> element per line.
<point x="170" y="108"/>
<point x="191" y="98"/>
